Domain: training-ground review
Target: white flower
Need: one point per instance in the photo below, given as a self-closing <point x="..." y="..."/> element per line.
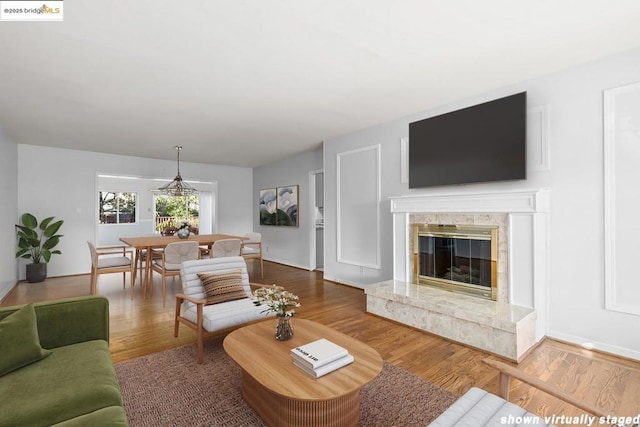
<point x="277" y="299"/>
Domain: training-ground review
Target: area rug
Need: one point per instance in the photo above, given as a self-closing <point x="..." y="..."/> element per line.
<point x="170" y="389"/>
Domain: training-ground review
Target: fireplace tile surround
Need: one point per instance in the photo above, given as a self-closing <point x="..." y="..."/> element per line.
<point x="509" y="326"/>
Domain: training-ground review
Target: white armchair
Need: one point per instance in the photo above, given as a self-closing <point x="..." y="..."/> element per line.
<point x="480" y="408"/>
<point x="191" y="306"/>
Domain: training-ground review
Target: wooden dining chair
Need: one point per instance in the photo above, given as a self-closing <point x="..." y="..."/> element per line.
<point x="111" y="259"/>
<point x="169" y="262"/>
<point x="225" y="248"/>
<point x="141" y="254"/>
<point x="252" y="249"/>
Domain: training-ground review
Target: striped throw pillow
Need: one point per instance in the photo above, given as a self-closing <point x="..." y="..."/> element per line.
<point x="222" y="286"/>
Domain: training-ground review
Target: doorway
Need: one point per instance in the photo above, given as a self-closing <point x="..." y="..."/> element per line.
<point x="196" y="210"/>
<point x="173" y="211"/>
<point x="316" y="212"/>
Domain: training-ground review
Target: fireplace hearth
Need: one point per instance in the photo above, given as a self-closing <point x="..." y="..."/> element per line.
<point x="457" y="258"/>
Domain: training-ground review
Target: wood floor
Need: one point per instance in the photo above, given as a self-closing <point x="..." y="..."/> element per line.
<point x="143" y="326"/>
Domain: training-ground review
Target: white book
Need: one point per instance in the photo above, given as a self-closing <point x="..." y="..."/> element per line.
<point x="325" y="369"/>
<point x="318" y="353"/>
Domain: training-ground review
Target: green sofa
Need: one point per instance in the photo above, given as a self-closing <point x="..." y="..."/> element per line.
<point x="75" y="383"/>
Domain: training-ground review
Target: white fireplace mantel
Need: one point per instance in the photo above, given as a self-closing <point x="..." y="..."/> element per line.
<point x="527" y="225"/>
<point x="504" y="202"/>
<point x="526" y="253"/>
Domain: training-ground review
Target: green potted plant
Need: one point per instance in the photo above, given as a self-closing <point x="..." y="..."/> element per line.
<point x="36" y="242"/>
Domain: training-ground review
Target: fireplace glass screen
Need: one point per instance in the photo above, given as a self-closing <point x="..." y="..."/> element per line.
<point x="456" y="259"/>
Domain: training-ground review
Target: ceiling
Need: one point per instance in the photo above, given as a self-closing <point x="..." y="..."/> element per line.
<point x="249" y="82"/>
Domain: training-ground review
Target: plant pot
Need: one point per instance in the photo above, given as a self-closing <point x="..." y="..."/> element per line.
<point x="36" y="272"/>
<point x="183" y="233"/>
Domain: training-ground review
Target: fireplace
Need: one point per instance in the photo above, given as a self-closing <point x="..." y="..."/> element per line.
<point x="508" y="325"/>
<point x="458" y="258"/>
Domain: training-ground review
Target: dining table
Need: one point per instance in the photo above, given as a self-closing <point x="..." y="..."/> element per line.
<point x="147" y="243"/>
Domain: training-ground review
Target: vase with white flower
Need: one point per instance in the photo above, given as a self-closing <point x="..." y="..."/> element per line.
<point x="184" y="231"/>
<point x="282" y="303"/>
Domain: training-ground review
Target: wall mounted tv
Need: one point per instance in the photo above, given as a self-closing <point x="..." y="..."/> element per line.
<point x="481" y="143"/>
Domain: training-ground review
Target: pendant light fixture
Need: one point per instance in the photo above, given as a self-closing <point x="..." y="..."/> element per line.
<point x="177" y="187"/>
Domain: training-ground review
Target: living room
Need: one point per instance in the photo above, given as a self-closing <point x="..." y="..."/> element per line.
<point x="567" y="104"/>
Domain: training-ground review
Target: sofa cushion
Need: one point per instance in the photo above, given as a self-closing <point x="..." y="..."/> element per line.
<point x="222" y="286"/>
<point x="113" y="416"/>
<point x="74" y="380"/>
<point x="20" y="340"/>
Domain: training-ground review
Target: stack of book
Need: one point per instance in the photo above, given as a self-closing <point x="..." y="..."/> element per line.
<point x="320" y="357"/>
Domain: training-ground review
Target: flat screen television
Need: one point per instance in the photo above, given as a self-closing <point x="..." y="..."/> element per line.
<point x="481" y="143"/>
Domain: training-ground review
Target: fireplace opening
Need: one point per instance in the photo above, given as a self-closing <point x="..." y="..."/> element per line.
<point x="457" y="258"/>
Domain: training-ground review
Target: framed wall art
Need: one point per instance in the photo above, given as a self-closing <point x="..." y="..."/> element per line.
<point x="287" y="206"/>
<point x="279" y="206"/>
<point x="267" y="206"/>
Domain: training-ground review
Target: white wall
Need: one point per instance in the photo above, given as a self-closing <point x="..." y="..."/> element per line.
<point x="576" y="283"/>
<point x="287" y="245"/>
<point x="8" y="213"/>
<point x="62" y="183"/>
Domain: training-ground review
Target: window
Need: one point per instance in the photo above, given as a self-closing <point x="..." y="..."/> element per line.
<point x="117" y="207"/>
<point x="172" y="211"/>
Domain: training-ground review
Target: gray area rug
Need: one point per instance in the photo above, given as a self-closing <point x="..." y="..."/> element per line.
<point x="170" y="389"/>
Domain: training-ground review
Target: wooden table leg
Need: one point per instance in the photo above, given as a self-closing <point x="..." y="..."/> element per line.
<point x="135" y="263"/>
<point x="133" y="274"/>
<point x="147" y="268"/>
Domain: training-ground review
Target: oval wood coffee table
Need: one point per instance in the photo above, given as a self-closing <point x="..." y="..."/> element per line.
<point x="284" y="395"/>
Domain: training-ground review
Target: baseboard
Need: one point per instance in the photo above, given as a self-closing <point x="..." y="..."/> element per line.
<point x="4" y="293"/>
<point x="290" y="264"/>
<point x="596" y="346"/>
<point x="344" y="282"/>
